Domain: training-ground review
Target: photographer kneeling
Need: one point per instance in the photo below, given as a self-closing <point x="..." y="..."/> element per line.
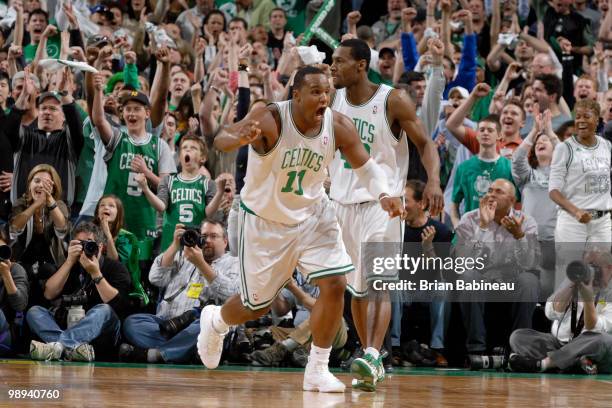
<point x="581" y="332"/>
<point x="194" y="268"/>
<point x="90" y="294"/>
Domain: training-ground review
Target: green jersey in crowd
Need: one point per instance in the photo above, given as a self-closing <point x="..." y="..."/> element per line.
<point x="140" y="216"/>
<point x="53" y="49"/>
<point x="474" y="176"/>
<point x="185" y="201"/>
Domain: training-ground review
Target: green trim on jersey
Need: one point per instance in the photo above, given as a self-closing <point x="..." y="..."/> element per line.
<point x="366" y="102"/>
<point x="355" y="293"/>
<point x="571" y="156"/>
<point x="247" y="209"/>
<point x="586" y="147"/>
<point x="339" y="270"/>
<point x="280" y="134"/>
<point x="298" y="130"/>
<point x="399" y="137"/>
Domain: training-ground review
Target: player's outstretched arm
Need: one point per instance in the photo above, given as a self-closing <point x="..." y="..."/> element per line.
<point x="369" y="173"/>
<point x="259" y="129"/>
<point x="403" y="111"/>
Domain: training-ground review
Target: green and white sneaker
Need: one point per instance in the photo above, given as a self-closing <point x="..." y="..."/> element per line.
<point x="366" y="372"/>
<point x="45" y="351"/>
<point x="380" y="369"/>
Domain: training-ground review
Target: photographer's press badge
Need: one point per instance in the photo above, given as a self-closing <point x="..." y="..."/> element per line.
<point x="194" y="290"/>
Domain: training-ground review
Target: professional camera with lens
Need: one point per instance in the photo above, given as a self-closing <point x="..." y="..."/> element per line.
<point x="169" y="328"/>
<point x="191" y="237"/>
<point x="90" y="248"/>
<point x="76" y="299"/>
<point x="478" y="362"/>
<point x="5" y="253"/>
<point x="579" y="271"/>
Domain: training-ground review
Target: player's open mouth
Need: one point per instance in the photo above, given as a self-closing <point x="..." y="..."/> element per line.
<point x="187" y="158"/>
<point x="320" y="111"/>
<point x="582" y="126"/>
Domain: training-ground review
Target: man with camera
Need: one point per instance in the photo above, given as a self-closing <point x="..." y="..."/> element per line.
<point x="194" y="269"/>
<point x="581" y="333"/>
<point x="13" y="293"/>
<point x="90" y="295"/>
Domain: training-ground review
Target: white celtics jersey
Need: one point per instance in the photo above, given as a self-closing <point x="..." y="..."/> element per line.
<point x="285" y="184"/>
<point x="585" y="173"/>
<point x="389" y="152"/>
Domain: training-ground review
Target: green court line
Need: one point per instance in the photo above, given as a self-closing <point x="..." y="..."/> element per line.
<point x="450" y="372"/>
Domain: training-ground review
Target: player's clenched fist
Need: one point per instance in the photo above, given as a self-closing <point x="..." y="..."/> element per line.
<point x="393" y="206"/>
<point x="249" y="132"/>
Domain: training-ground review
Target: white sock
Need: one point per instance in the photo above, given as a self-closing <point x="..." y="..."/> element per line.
<point x="372" y="351"/>
<point x="218" y="323"/>
<point x="544" y="363"/>
<point x="319" y="355"/>
<point x="153" y="355"/>
<point x="290" y="344"/>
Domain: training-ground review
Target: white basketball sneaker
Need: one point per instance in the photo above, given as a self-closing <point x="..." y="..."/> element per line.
<point x="210" y="342"/>
<point x="318" y="378"/>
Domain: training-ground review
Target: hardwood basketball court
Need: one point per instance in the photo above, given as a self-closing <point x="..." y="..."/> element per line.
<point x="141" y="385"/>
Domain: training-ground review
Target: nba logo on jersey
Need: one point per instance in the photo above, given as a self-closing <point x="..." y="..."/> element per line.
<point x="325" y="140"/>
<point x="375" y="109"/>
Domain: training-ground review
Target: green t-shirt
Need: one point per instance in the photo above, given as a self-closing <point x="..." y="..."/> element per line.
<point x="376" y="78"/>
<point x="186" y="205"/>
<point x="474" y="176"/>
<point x="296" y="14"/>
<point x="53" y="49"/>
<point x="140" y="216"/>
<point x="228" y="7"/>
<point x="86" y="161"/>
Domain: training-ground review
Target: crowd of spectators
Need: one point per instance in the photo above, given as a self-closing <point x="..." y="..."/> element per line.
<point x="118" y="215"/>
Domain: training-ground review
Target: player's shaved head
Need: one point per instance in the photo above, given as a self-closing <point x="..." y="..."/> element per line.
<point x="300" y="76"/>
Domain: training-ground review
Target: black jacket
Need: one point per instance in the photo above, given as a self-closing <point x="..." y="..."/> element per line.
<point x="115" y="274"/>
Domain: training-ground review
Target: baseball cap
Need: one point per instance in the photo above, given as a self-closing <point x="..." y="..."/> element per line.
<point x="462" y="91"/>
<point x="136" y="97"/>
<point x="98" y="41"/>
<point x="386" y="50"/>
<point x="46" y="95"/>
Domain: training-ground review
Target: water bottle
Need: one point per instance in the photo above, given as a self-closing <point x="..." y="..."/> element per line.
<point x="75" y="314"/>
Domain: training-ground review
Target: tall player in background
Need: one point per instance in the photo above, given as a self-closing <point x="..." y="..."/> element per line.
<point x="286" y="221"/>
<point x="382" y="116"/>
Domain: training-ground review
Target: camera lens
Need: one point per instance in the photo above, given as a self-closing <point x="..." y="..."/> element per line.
<point x="5" y="252"/>
<point x="190" y="238"/>
<point x="90" y="248"/>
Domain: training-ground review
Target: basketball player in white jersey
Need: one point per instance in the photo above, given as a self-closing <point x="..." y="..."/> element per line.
<point x="580" y="185"/>
<point x="287" y="222"/>
<point x="383" y="117"/>
<point x="580" y="181"/>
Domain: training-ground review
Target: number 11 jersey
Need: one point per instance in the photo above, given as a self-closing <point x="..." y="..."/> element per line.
<point x="285" y="184"/>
